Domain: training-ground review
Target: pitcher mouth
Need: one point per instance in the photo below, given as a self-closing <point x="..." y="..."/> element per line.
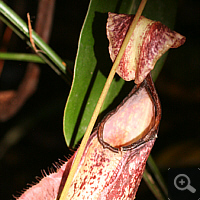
<point x="149" y="133"/>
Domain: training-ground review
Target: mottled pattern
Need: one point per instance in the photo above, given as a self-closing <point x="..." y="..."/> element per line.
<point x="102" y="173"/>
<point x="158" y="40"/>
<point x="148" y="42"/>
<point x="117" y="27"/>
<point x="129" y="174"/>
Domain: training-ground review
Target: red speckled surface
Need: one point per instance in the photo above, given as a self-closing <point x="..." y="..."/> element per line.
<point x="149" y="41"/>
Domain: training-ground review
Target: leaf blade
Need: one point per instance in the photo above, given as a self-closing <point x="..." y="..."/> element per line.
<point x="93" y="63"/>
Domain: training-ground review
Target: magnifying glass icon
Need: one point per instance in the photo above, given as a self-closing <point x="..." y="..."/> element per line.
<point x="182" y="182"/>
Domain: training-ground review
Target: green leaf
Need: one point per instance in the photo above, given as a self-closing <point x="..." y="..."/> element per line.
<point x="93" y="63"/>
<point x="27" y="57"/>
<point x="20" y="27"/>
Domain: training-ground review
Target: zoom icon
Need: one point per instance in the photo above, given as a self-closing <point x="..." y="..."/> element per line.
<point x="182" y="182"/>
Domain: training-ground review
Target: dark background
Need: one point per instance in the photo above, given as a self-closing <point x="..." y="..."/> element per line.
<point x="182" y="190"/>
<point x="178" y="87"/>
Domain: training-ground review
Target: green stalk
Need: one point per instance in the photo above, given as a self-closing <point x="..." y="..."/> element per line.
<point x="153" y="186"/>
<point x="26" y="57"/>
<point x="157" y="174"/>
<point x="11" y="19"/>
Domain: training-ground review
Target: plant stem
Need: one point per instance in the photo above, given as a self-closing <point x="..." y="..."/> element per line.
<point x="100" y="102"/>
<point x="27" y="57"/>
<point x="157" y="174"/>
<point x="152" y="185"/>
<point x="11" y="19"/>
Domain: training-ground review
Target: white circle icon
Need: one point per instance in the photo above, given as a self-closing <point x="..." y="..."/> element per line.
<point x="182" y="182"/>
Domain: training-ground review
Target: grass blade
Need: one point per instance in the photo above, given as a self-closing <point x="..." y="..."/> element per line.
<point x="11" y="19"/>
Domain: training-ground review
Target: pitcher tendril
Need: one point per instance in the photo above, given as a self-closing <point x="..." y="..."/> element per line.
<point x="30" y="35"/>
